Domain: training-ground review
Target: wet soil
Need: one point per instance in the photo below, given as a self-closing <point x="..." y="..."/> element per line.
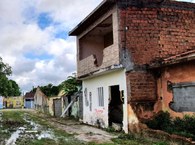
<point x="35" y="126"/>
<point x="79" y="130"/>
<point x="20" y="131"/>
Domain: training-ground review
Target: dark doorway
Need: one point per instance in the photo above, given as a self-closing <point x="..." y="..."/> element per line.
<point x="115" y="106"/>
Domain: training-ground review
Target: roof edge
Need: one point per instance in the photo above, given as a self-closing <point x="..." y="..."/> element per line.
<point x="74" y="32"/>
<point x="179" y="58"/>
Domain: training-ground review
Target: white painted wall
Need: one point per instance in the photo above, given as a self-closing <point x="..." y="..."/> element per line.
<point x="110" y="79"/>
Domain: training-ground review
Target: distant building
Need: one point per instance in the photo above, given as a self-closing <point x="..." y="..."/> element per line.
<point x="14" y="102"/>
<point x="29" y="100"/>
<point x="41" y="101"/>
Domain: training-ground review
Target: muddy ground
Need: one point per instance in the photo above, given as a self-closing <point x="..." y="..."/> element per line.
<point x="27" y="127"/>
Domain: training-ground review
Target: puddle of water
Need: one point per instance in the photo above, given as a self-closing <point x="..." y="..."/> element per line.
<point x="31" y="131"/>
<point x="46" y="134"/>
<point x="34" y="125"/>
<point x="35" y="131"/>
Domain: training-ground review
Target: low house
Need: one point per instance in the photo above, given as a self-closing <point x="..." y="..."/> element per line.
<point x="55" y="106"/>
<point x="41" y="101"/>
<point x="14" y="102"/>
<point x="136" y="58"/>
<point x="1" y="102"/>
<point x="29" y="100"/>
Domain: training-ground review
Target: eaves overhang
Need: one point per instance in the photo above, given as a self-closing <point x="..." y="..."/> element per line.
<point x="176" y="59"/>
<point x="102" y="8"/>
<point x="102" y="71"/>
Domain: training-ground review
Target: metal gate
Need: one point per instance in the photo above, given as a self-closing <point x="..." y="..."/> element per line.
<point x="57" y="107"/>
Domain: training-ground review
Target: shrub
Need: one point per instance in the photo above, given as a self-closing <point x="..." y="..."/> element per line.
<point x="185" y="126"/>
<point x="162" y="121"/>
<point x="181" y="126"/>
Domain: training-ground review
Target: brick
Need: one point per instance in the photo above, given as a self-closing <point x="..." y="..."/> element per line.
<point x="142" y="86"/>
<point x="161" y="32"/>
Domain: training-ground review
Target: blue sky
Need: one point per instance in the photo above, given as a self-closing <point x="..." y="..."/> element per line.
<point x="44" y="20"/>
<point x="35" y="39"/>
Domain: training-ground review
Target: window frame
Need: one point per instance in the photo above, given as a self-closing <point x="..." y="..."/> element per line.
<point x="100" y="94"/>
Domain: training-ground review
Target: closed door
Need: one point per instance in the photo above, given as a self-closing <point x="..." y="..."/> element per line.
<point x="57" y="107"/>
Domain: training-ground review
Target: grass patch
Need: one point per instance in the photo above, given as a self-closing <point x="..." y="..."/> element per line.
<point x="41" y="142"/>
<point x="12" y="119"/>
<point x="127" y="139"/>
<point x="110" y="129"/>
<point x="131" y="139"/>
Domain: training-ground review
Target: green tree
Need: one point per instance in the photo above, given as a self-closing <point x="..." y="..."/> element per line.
<point x="5" y="69"/>
<point x="7" y="87"/>
<point x="4" y="85"/>
<point x="49" y="90"/>
<point x="13" y="88"/>
<point x="70" y="86"/>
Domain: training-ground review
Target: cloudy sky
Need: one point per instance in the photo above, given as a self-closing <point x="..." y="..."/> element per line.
<point x="34" y="38"/>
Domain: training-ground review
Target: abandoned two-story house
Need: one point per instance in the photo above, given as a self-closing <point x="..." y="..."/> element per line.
<point x="136" y="58"/>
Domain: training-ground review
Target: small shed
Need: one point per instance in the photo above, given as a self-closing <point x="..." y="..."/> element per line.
<point x="41" y="101"/>
<point x="29" y="100"/>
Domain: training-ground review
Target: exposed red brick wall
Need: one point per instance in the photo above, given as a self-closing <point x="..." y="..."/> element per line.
<point x="141" y="86"/>
<point x="157" y="32"/>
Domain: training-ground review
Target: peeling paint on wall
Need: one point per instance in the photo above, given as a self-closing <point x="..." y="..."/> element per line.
<point x="181" y="97"/>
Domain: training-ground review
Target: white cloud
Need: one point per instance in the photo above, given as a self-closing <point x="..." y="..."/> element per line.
<point x="59" y="47"/>
<point x="67" y="12"/>
<point x="23" y="43"/>
<point x="21" y="38"/>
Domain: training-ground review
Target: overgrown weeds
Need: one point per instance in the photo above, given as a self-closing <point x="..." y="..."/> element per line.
<point x="180" y="126"/>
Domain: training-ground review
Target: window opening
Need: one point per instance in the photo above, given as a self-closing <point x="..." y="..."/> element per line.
<point x="101" y="96"/>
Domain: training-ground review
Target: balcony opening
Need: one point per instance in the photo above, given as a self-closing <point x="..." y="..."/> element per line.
<point x="96" y="40"/>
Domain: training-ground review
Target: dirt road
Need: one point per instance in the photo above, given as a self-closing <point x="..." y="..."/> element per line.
<point x="28" y="127"/>
<point x="80" y="131"/>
